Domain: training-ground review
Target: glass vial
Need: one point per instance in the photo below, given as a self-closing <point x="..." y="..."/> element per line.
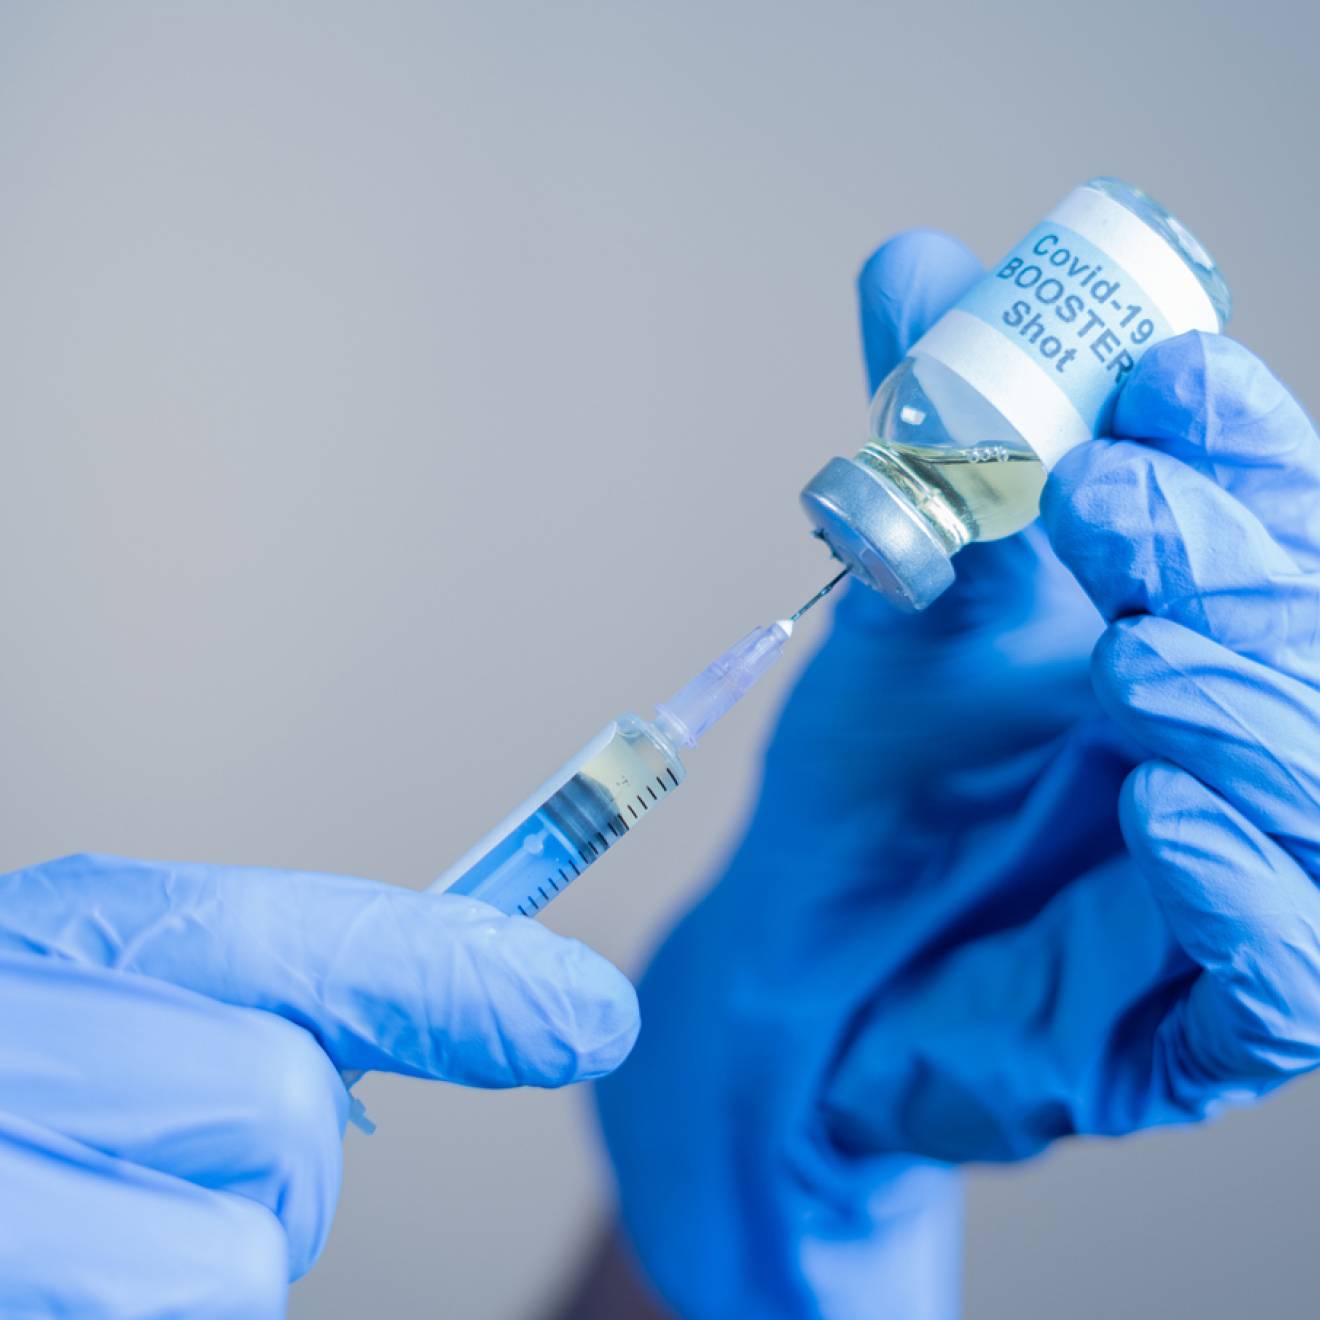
<point x="1024" y="367"/>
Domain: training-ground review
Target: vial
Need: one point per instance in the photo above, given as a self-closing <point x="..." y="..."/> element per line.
<point x="965" y="429"/>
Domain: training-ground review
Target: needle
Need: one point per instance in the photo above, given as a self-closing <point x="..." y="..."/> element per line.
<point x="820" y="595"/>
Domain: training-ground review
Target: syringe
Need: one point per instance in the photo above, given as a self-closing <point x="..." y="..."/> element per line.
<point x="599" y="796"/>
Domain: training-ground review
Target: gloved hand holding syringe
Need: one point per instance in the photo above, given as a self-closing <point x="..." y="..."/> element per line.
<point x="598" y="795"/>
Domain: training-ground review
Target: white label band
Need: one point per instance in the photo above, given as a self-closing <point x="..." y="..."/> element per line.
<point x="1049" y="335"/>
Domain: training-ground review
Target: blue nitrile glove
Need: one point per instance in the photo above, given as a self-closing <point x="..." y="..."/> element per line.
<point x="933" y="939"/>
<point x="170" y="1110"/>
<point x="1179" y="972"/>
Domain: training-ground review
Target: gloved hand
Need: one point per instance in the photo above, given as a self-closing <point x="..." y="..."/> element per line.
<point x="1177" y="970"/>
<point x="934" y="938"/>
<point x="170" y="1110"/>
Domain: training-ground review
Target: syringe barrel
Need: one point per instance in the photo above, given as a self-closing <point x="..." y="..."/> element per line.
<point x="571" y="821"/>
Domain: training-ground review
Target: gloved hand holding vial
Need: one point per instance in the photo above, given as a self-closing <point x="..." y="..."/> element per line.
<point x="1068" y="883"/>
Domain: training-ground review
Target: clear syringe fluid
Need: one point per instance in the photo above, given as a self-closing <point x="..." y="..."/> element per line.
<point x="600" y="795"/>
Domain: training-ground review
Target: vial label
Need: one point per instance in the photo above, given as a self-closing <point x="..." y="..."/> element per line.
<point x="1053" y="330"/>
<point x="1081" y="317"/>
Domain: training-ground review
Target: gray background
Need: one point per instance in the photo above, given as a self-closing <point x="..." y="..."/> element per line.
<point x="371" y="373"/>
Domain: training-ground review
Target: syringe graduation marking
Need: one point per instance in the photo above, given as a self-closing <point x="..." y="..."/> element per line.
<point x="589" y="852"/>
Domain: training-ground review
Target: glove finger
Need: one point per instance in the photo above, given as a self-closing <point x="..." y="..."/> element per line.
<point x="1211" y="404"/>
<point x="1249" y="916"/>
<point x="384" y="978"/>
<point x="1144" y="533"/>
<point x="230" y="1098"/>
<point x="1251" y="734"/>
<point x="85" y="1234"/>
<point x="905" y="286"/>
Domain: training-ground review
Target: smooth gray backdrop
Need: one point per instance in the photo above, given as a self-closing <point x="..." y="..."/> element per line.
<point x="393" y="392"/>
